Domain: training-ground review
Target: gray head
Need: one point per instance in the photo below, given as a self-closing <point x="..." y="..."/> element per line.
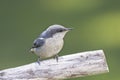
<point x="55" y="30"/>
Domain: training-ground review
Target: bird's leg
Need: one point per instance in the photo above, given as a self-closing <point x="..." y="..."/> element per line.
<point x="56" y="57"/>
<point x="38" y="61"/>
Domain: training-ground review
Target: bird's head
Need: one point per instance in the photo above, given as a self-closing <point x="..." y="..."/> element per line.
<point x="56" y="30"/>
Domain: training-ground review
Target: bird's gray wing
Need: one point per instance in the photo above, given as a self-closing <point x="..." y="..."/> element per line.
<point x="38" y="42"/>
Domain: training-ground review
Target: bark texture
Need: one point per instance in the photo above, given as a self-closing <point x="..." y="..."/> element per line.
<point x="69" y="66"/>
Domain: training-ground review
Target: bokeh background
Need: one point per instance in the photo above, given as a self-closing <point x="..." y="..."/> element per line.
<point x="96" y="26"/>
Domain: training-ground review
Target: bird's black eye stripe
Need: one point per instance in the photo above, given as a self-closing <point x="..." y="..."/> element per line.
<point x="60" y="30"/>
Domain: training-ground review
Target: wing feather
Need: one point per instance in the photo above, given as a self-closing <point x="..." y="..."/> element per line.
<point x="38" y="42"/>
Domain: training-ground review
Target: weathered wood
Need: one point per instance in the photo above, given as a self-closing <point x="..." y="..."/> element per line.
<point x="69" y="66"/>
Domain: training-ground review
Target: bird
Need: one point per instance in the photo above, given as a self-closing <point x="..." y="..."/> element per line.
<point x="50" y="42"/>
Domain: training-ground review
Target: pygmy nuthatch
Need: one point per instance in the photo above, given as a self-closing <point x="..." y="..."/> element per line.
<point x="50" y="42"/>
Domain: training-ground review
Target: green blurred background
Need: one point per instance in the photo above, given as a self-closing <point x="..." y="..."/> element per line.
<point x="96" y="26"/>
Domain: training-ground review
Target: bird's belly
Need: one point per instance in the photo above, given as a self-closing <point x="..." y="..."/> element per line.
<point x="51" y="48"/>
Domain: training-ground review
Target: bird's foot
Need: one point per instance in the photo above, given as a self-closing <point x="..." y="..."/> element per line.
<point x="38" y="61"/>
<point x="56" y="57"/>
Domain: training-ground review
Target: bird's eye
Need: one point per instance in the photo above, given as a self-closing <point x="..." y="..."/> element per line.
<point x="61" y="30"/>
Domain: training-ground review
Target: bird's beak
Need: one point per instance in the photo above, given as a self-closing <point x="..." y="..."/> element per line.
<point x="69" y="29"/>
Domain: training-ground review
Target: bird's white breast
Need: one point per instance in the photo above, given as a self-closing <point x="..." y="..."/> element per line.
<point x="51" y="47"/>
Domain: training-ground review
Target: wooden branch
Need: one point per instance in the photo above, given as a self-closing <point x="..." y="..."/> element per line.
<point x="69" y="66"/>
